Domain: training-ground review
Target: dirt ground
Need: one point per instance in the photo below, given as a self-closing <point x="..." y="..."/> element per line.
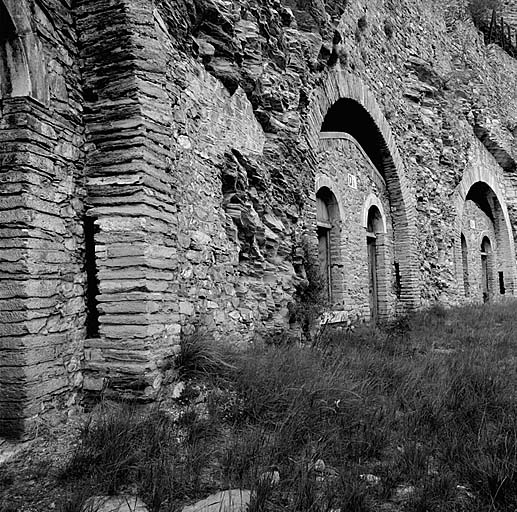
<point x="30" y="470"/>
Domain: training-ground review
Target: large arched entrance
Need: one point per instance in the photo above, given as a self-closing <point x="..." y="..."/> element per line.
<point x="484" y="242"/>
<point x="355" y="148"/>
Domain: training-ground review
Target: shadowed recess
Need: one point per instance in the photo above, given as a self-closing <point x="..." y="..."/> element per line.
<point x="502" y="157"/>
<point x="347" y="115"/>
<point x="7" y="30"/>
<point x="481" y="194"/>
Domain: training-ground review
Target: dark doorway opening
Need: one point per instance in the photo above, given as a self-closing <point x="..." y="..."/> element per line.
<point x="92" y="282"/>
<point x="465" y="262"/>
<point x="374" y="227"/>
<point x="486" y="254"/>
<point x="502" y="289"/>
<point x="326" y="218"/>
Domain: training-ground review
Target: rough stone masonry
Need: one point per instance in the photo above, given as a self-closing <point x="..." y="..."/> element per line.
<point x="167" y="164"/>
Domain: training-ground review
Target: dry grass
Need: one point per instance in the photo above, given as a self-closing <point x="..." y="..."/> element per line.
<point x="425" y="406"/>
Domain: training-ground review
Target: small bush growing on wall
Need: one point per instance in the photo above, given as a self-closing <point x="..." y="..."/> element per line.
<point x="312" y="295"/>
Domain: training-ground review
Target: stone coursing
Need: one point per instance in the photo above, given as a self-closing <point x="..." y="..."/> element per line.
<point x="509" y="12"/>
<point x="338" y="158"/>
<point x="194" y="135"/>
<point x="477" y="226"/>
<point x="41" y="197"/>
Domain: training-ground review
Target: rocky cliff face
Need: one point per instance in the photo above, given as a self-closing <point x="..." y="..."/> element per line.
<point x="224" y="151"/>
<point x="229" y="99"/>
<point x="439" y="87"/>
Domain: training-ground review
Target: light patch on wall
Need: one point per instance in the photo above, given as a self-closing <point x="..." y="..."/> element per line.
<point x="352" y="181"/>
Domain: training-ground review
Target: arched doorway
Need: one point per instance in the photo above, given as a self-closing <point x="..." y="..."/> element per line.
<point x="374" y="229"/>
<point x="345" y="108"/>
<point x="486" y="269"/>
<point x="327" y="218"/>
<point x="483" y="224"/>
<point x="465" y="265"/>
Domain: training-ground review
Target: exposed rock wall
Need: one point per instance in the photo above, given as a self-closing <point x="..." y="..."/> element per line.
<point x="227" y="164"/>
<point x="189" y="131"/>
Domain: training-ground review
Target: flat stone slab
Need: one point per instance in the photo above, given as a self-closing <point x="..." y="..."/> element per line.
<point x="114" y="504"/>
<point x="8" y="449"/>
<point x="233" y="500"/>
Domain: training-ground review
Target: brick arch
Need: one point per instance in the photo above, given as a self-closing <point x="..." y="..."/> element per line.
<point x="482" y="236"/>
<point x="373" y="200"/>
<point x="23" y="56"/>
<point x="324" y="181"/>
<point x="503" y="245"/>
<point x="341" y="85"/>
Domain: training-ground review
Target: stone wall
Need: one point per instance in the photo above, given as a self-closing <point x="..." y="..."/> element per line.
<point x="509" y="12"/>
<point x="476" y="226"/>
<point x="347" y="170"/>
<point x="193" y="135"/>
<point x="41" y="206"/>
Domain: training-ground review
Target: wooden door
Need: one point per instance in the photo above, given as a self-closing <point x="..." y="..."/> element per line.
<point x="324" y="255"/>
<point x="485" y="277"/>
<point x="372" y="271"/>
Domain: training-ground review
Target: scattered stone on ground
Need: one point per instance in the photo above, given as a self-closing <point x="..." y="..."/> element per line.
<point x="404" y="493"/>
<point x="114" y="504"/>
<point x="233" y="500"/>
<point x="370" y="479"/>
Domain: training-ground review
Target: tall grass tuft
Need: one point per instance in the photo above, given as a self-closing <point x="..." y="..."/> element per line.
<point x="419" y="414"/>
<point x="125" y="446"/>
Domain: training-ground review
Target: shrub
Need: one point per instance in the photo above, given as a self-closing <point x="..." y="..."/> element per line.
<point x="200" y="355"/>
<point x="312" y="296"/>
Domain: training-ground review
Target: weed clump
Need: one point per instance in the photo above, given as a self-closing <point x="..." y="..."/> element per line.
<point x="124" y="446"/>
<point x="420" y="414"/>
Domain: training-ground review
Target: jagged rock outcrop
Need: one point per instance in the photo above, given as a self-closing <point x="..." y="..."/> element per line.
<point x="190" y="163"/>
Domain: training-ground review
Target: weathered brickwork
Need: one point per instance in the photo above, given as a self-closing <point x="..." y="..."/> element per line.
<point x="339" y="158"/>
<point x="41" y="257"/>
<point x="509" y="12"/>
<point x="477" y="226"/>
<point x="184" y="163"/>
<point x="482" y="184"/>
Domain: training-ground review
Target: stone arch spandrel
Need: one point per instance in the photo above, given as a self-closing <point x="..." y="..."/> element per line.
<point x="373" y="200"/>
<point x="324" y="181"/>
<point x="24" y="55"/>
<point x="342" y="85"/>
<point x="504" y="242"/>
<point x="489" y="236"/>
